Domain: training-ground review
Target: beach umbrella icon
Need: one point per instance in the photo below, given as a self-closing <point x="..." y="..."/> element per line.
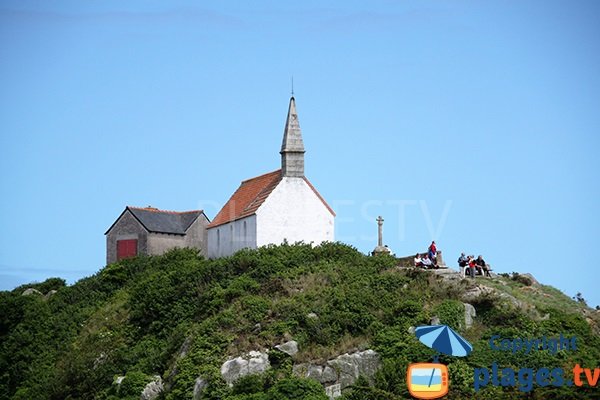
<point x="443" y="339"/>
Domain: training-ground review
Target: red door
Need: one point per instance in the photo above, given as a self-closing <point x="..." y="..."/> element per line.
<point x="126" y="248"/>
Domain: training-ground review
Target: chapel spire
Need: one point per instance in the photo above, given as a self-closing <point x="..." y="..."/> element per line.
<point x="292" y="147"/>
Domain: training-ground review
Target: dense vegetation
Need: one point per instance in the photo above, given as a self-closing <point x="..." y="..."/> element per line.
<point x="180" y="316"/>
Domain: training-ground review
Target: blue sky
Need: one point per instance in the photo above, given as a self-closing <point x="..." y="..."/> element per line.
<point x="472" y="123"/>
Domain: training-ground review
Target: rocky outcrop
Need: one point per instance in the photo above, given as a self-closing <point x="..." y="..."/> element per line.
<point x="339" y="373"/>
<point x="290" y="348"/>
<point x="31" y="291"/>
<point x="476" y="291"/>
<point x="447" y="274"/>
<point x="469" y="315"/>
<point x="335" y="374"/>
<point x="199" y="387"/>
<point x="254" y="362"/>
<point x="152" y="389"/>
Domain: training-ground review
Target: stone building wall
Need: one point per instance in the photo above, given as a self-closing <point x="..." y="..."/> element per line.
<point x="197" y="235"/>
<point x="127" y="227"/>
<point x="160" y="243"/>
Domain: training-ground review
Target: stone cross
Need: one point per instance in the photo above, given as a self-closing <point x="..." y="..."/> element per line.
<point x="380" y="231"/>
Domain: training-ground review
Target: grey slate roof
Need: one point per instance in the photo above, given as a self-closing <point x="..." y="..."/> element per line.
<point x="159" y="221"/>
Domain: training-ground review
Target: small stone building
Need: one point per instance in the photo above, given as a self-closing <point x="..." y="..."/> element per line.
<point x="151" y="231"/>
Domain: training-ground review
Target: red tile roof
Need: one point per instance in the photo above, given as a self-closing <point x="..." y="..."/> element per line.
<point x="251" y="194"/>
<point x="247" y="198"/>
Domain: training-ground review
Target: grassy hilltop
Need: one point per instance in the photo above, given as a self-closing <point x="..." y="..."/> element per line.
<point x="180" y="316"/>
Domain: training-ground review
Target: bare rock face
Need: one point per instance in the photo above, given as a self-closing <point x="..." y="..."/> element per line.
<point x="477" y="291"/>
<point x="290" y="348"/>
<point x="31" y="291"/>
<point x="254" y="362"/>
<point x="340" y="372"/>
<point x="531" y="278"/>
<point x="447" y="274"/>
<point x="199" y="387"/>
<point x="152" y="389"/>
<point x="469" y="314"/>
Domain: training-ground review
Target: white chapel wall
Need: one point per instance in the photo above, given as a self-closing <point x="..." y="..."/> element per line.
<point x="293" y="212"/>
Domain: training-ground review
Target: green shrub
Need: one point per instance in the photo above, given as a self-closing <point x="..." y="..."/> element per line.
<point x="297" y="389"/>
<point x="249" y="384"/>
<point x="133" y="384"/>
<point x="451" y="313"/>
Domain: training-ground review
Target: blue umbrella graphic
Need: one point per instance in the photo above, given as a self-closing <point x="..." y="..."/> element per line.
<point x="443" y="339"/>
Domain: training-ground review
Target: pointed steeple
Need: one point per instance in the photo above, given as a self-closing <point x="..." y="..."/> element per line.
<point x="292" y="147"/>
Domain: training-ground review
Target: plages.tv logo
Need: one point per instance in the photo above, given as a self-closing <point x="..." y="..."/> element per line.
<point x="430" y="380"/>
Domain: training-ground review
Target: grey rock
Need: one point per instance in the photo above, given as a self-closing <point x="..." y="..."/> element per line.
<point x="435" y="320"/>
<point x="312" y="315"/>
<point x="329" y="375"/>
<point x="411" y="330"/>
<point x="347" y="370"/>
<point x="300" y="370"/>
<point x="340" y="372"/>
<point x="30" y="291"/>
<point x="333" y="391"/>
<point x="290" y="348"/>
<point x="50" y="293"/>
<point x="234" y="369"/>
<point x="258" y="362"/>
<point x="152" y="389"/>
<point x="199" y="387"/>
<point x="511" y="299"/>
<point x="314" y="372"/>
<point x="447" y="274"/>
<point x="118" y="380"/>
<point x="532" y="278"/>
<point x="477" y="291"/>
<point x="350" y="366"/>
<point x="255" y="362"/>
<point x="469" y="315"/>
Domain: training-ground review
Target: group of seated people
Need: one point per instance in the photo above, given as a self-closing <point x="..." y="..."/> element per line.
<point x="425" y="261"/>
<point x="469" y="265"/>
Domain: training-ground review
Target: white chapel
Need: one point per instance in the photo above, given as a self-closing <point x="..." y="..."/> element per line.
<point x="275" y="207"/>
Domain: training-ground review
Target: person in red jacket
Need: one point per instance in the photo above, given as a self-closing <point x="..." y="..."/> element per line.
<point x="432" y="251"/>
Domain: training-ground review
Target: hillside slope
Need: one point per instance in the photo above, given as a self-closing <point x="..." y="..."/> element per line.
<point x="180" y="317"/>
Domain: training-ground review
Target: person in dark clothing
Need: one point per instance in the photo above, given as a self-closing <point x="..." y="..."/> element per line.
<point x="432" y="253"/>
<point x="463" y="261"/>
<point x="480" y="263"/>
